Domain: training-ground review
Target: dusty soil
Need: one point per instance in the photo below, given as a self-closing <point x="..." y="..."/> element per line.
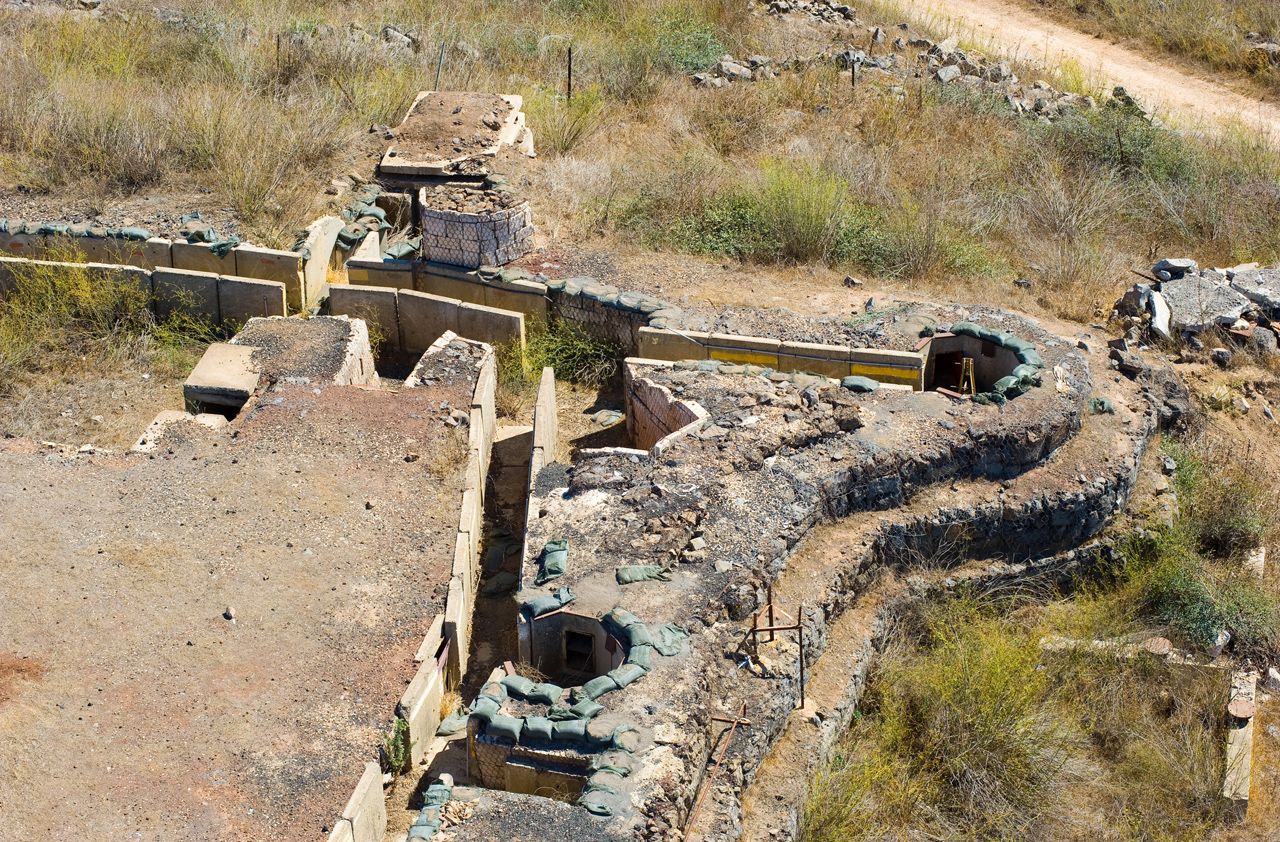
<point x="106" y="405"/>
<point x="333" y="552"/>
<point x="447" y="125"/>
<point x="1012" y="28"/>
<point x="156" y="210"/>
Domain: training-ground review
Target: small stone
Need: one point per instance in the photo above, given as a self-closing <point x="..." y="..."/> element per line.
<point x="229" y="613"/>
<point x="1168" y="465"/>
<point x="1221" y="356"/>
<point x="1272" y="682"/>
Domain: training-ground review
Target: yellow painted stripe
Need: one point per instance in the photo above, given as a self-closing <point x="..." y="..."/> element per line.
<point x="887" y="374"/>
<point x="744" y="356"/>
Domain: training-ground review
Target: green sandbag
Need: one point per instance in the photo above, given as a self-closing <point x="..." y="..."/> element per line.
<point x="641" y="656"/>
<point x="1015" y="344"/>
<point x="858" y="383"/>
<point x="537" y="728"/>
<point x="669" y="639"/>
<point x="636" y="635"/>
<point x="560" y="713"/>
<point x="595" y="808"/>
<point x="194" y="229"/>
<point x="995" y="337"/>
<point x="627" y="674"/>
<point x="501" y="725"/>
<point x="610" y="762"/>
<point x="544" y="693"/>
<point x="1006" y="385"/>
<point x="597" y="687"/>
<point x="629" y="574"/>
<point x="350" y="236"/>
<point x="453" y="723"/>
<point x="966" y="329"/>
<point x="401" y="250"/>
<point x="625" y="738"/>
<point x="423" y="831"/>
<point x="1031" y="357"/>
<point x="495" y="690"/>
<point x="484" y="707"/>
<point x="599" y="786"/>
<point x="133" y="232"/>
<point x="517" y="685"/>
<point x="552" y="561"/>
<point x="586" y="709"/>
<point x="617" y="620"/>
<point x="1028" y="374"/>
<point x="1101" y="406"/>
<point x="574" y="730"/>
<point x="437" y="795"/>
<point x="53" y="228"/>
<point x="546" y="604"/>
<point x="224" y="246"/>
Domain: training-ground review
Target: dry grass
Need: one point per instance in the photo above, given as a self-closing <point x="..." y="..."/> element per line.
<point x="1211" y="32"/>
<point x="967" y="732"/>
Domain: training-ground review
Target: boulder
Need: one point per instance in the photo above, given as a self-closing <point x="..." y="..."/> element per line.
<point x="1160" y="315"/>
<point x="1197" y="302"/>
<point x="1261" y="286"/>
<point x="1171" y="268"/>
<point x="730" y="69"/>
<point x="1263" y="342"/>
<point x="948" y="74"/>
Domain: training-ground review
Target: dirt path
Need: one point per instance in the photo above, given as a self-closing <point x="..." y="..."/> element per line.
<point x="1185" y="99"/>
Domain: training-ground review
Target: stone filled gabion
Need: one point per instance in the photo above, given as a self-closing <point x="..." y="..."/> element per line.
<point x="472" y="240"/>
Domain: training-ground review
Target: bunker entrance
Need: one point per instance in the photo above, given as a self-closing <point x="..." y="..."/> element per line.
<point x="572" y="649"/>
<point x="951" y="354"/>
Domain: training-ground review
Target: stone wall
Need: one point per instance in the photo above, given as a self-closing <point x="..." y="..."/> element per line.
<point x="473" y="240"/>
<point x="655" y="416"/>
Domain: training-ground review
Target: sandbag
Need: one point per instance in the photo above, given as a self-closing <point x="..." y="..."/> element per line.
<point x="629" y="574"/>
<point x="401" y="250"/>
<point x="617" y="620"/>
<point x="1031" y="357"/>
<point x="1005" y="385"/>
<point x="573" y="730"/>
<point x="1015" y="344"/>
<point x="133" y="232"/>
<point x="495" y="690"/>
<point x="548" y="603"/>
<point x="544" y="693"/>
<point x="453" y="723"/>
<point x="194" y="229"/>
<point x="669" y="639"/>
<point x="437" y="795"/>
<point x="484" y="708"/>
<point x="552" y="561"/>
<point x="858" y="383"/>
<point x="224" y="246"/>
<point x="636" y="635"/>
<point x="611" y="763"/>
<point x="1028" y="374"/>
<point x="627" y="674"/>
<point x="641" y="656"/>
<point x="501" y="725"/>
<point x="966" y="329"/>
<point x="597" y="687"/>
<point x="586" y="709"/>
<point x="537" y="728"/>
<point x="517" y="685"/>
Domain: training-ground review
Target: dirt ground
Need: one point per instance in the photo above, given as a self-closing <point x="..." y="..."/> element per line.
<point x="1014" y="29"/>
<point x="446" y="125"/>
<point x="209" y="643"/>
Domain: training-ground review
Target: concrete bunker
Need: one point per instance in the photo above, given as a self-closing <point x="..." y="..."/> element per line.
<point x="570" y="648"/>
<point x="973" y="360"/>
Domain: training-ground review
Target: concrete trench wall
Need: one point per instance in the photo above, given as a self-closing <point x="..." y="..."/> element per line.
<point x="217" y="299"/>
<point x="243" y="261"/>
<point x="903" y="368"/>
<point x="411" y="321"/>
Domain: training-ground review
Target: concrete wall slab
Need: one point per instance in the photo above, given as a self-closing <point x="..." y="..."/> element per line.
<point x="200" y="257"/>
<point x="186" y="291"/>
<point x="240" y="299"/>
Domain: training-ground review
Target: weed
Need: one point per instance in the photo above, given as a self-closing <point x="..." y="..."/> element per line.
<point x="397" y="749"/>
<point x="563" y="125"/>
<point x="576" y="355"/>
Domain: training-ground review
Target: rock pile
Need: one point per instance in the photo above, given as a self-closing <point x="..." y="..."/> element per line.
<point x="1187" y="301"/>
<point x="464" y="199"/>
<point x="818" y="10"/>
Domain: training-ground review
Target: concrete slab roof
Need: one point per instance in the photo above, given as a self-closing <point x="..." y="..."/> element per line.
<point x="208" y="641"/>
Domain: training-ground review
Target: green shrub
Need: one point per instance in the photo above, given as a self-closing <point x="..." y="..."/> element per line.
<point x="576" y="355"/>
<point x="561" y="124"/>
<point x="1116" y="140"/>
<point x="685" y="42"/>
